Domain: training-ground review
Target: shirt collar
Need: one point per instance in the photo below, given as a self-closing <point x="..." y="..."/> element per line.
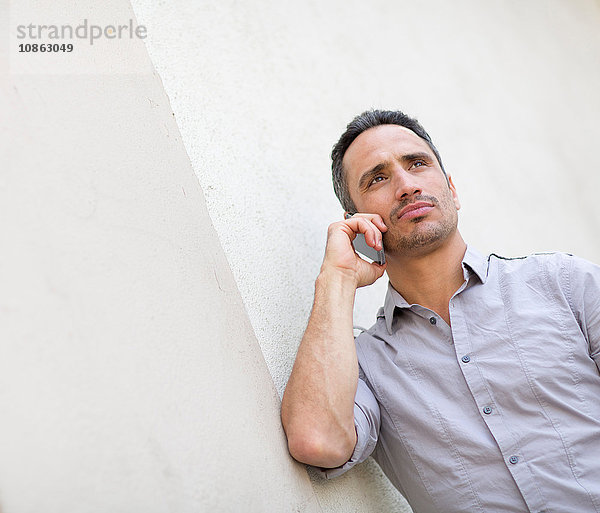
<point x="476" y="262"/>
<point x="473" y="262"/>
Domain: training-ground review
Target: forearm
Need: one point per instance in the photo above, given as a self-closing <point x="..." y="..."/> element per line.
<point x="318" y="404"/>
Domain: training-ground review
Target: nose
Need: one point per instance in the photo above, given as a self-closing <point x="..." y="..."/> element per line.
<point x="406" y="184"/>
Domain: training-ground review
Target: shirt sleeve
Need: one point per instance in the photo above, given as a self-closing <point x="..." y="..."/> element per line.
<point x="584" y="278"/>
<point x="366" y="423"/>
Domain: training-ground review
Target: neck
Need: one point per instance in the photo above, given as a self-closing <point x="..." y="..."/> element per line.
<point x="429" y="278"/>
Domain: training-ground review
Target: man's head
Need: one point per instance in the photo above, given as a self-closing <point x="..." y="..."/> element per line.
<point x="362" y="122"/>
<point x="386" y="164"/>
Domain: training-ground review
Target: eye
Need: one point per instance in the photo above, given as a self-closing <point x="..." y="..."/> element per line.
<point x="377" y="179"/>
<point x="419" y="163"/>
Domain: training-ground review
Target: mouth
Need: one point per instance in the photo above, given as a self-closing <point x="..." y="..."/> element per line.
<point x="418" y="209"/>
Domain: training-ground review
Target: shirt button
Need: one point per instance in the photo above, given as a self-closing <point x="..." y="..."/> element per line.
<point x="513" y="460"/>
<point x="432" y="320"/>
<point x="466" y="358"/>
<point x="487" y="410"/>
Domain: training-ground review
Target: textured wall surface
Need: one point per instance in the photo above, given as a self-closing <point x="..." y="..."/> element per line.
<point x="261" y="91"/>
<point x="130" y="377"/>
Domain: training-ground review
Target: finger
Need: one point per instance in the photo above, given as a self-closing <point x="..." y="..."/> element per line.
<point x="360" y="224"/>
<point x="352" y="227"/>
<point x="370" y="272"/>
<point x="376" y="219"/>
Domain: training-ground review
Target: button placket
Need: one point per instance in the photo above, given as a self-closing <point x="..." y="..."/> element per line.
<point x="472" y="376"/>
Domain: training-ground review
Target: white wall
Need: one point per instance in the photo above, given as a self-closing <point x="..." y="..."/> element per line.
<point x="130" y="377"/>
<point x="262" y="90"/>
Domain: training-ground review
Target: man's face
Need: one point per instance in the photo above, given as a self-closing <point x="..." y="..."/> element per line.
<point x="392" y="172"/>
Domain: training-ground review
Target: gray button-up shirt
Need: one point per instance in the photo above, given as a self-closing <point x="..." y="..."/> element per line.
<point x="499" y="412"/>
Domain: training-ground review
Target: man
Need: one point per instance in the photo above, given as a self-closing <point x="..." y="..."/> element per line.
<point x="478" y="388"/>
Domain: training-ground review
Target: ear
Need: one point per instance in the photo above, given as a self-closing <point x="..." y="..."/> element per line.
<point x="453" y="191"/>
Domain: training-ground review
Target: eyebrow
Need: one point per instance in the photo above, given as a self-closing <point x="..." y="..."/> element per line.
<point x="367" y="176"/>
<point x="370" y="174"/>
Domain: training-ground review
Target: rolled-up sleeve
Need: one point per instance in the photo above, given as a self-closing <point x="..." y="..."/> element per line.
<point x="366" y="423"/>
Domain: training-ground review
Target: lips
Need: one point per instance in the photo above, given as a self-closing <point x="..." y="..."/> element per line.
<point x="418" y="209"/>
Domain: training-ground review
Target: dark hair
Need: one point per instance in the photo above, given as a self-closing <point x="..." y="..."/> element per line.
<point x="361" y="123"/>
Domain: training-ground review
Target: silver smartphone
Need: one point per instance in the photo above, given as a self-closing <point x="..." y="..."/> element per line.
<point x="361" y="246"/>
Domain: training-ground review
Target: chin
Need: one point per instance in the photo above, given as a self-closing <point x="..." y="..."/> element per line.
<point x="422" y="240"/>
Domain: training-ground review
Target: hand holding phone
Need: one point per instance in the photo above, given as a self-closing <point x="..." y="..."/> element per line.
<point x="361" y="246"/>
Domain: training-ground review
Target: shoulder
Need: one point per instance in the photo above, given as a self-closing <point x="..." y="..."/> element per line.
<point x="553" y="273"/>
<point x="542" y="258"/>
<point x="535" y="265"/>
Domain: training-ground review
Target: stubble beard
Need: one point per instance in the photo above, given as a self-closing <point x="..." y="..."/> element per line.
<point x="425" y="235"/>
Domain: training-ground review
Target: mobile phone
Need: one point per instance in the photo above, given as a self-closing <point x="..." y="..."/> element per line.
<point x="361" y="246"/>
